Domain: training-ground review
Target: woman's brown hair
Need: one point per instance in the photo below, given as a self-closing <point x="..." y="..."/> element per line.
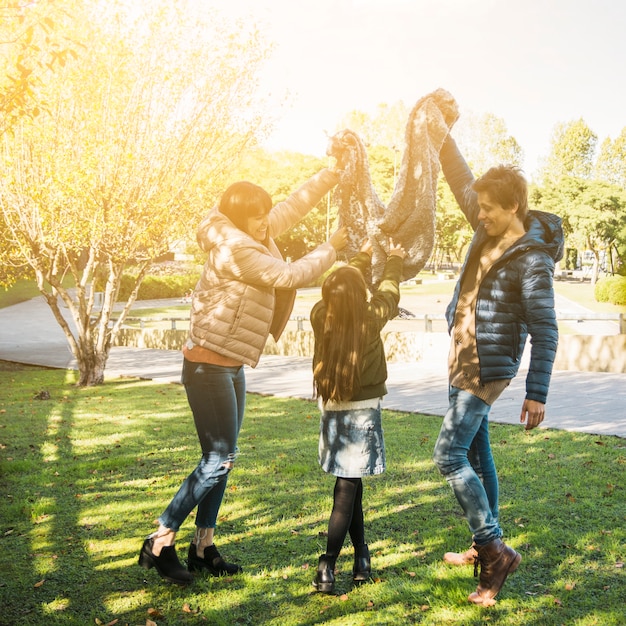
<point x="243" y="200"/>
<point x="337" y="372"/>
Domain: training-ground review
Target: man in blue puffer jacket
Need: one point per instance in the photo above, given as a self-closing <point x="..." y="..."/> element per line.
<point x="504" y="293"/>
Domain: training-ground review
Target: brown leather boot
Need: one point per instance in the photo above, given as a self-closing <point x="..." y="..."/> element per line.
<point x="461" y="558"/>
<point x="497" y="561"/>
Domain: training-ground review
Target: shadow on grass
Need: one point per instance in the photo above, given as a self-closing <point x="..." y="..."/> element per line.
<point x="86" y="474"/>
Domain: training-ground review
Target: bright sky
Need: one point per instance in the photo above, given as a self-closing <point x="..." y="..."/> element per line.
<point x="533" y="63"/>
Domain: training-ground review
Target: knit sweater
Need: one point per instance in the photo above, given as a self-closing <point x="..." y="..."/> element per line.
<point x="409" y="218"/>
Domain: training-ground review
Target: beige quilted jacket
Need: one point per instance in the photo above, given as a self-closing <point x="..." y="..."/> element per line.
<point x="234" y="306"/>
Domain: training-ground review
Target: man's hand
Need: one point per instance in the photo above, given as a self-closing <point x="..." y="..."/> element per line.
<point x="535" y="411"/>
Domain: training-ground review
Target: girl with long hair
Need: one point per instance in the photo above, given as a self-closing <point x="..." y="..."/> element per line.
<point x="349" y="373"/>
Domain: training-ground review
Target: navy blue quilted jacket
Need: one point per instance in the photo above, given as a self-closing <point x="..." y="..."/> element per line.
<point x="516" y="297"/>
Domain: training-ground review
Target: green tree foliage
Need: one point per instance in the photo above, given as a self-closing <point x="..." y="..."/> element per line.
<point x="452" y="230"/>
<point x="385" y="127"/>
<point x="105" y="181"/>
<point x="593" y="213"/>
<point x="280" y="174"/>
<point x="485" y="141"/>
<point x="611" y="163"/>
<point x="572" y="152"/>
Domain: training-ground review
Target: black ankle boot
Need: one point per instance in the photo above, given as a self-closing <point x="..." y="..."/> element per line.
<point x="325" y="578"/>
<point x="167" y="563"/>
<point x="362" y="570"/>
<point x="212" y="562"/>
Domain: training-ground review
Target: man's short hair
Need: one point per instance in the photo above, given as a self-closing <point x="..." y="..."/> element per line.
<point x="507" y="186"/>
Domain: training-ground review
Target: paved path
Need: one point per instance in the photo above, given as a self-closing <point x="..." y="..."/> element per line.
<point x="579" y="401"/>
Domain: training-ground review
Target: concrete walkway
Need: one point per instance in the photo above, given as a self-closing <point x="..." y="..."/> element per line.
<point x="588" y="402"/>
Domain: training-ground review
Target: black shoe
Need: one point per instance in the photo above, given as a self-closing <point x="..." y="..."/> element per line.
<point x="325" y="578"/>
<point x="167" y="563"/>
<point x="213" y="563"/>
<point x="362" y="570"/>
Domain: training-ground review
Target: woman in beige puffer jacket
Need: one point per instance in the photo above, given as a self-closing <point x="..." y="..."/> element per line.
<point x="246" y="291"/>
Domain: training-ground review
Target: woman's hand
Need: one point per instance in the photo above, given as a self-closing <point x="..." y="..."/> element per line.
<point x="396" y="249"/>
<point x="339" y="238"/>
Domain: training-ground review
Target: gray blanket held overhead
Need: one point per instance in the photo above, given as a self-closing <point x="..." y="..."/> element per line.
<point x="409" y="219"/>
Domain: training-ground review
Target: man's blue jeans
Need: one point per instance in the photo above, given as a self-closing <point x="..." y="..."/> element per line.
<point x="217" y="397"/>
<point x="463" y="455"/>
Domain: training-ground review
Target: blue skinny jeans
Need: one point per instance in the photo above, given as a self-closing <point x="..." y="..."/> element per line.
<point x="463" y="456"/>
<point x="217" y="397"/>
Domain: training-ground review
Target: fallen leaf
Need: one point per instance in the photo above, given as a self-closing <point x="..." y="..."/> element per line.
<point x="570" y="586"/>
<point x="343" y="597"/>
<point x="412" y="574"/>
<point x="558" y="602"/>
<point x="149" y="622"/>
<point x="41" y="582"/>
<point x="155" y="613"/>
<point x="424" y="607"/>
<point x="305" y="566"/>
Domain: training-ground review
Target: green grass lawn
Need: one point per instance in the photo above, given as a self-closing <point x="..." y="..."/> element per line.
<point x="20" y="291"/>
<point x="86" y="472"/>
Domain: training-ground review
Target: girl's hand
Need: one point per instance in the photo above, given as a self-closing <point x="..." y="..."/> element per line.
<point x="396" y="249"/>
<point x="367" y="246"/>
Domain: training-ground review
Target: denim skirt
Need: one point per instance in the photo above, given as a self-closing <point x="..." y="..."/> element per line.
<point x="351" y="442"/>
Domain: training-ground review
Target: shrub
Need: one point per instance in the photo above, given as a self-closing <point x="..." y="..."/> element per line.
<point x="158" y="287"/>
<point x="601" y="290"/>
<point x="611" y="289"/>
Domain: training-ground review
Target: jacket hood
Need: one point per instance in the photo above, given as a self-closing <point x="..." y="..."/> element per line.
<point x="545" y="229"/>
<point x="216" y="229"/>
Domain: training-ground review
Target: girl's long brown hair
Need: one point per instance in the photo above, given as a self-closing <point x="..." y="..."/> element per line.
<point x="337" y="372"/>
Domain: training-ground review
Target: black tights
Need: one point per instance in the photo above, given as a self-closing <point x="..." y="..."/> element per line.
<point x="347" y="516"/>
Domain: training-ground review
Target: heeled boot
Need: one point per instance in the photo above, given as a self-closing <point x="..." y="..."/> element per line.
<point x="212" y="562"/>
<point x="167" y="564"/>
<point x="362" y="569"/>
<point x="497" y="561"/>
<point x="461" y="558"/>
<point x="325" y="578"/>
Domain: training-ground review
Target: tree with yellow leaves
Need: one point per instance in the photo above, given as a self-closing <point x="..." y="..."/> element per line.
<point x="163" y="92"/>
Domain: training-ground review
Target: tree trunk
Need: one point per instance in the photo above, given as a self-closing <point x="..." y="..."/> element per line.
<point x="91" y="366"/>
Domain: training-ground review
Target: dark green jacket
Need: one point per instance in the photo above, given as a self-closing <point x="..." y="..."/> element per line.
<point x="382" y="307"/>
